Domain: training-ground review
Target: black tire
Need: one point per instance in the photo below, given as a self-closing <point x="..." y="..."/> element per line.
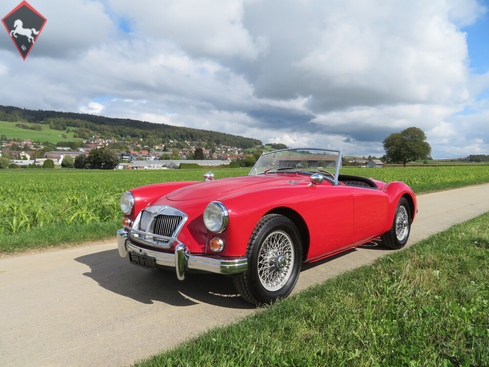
<point x="398" y="235"/>
<point x="274" y="261"/>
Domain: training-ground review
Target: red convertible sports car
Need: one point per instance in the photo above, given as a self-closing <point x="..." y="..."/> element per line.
<point x="293" y="207"/>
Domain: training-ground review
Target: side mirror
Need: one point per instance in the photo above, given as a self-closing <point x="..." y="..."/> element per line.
<point x="316" y="179"/>
<point x="209" y="176"/>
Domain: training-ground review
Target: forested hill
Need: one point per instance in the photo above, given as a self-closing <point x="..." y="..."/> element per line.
<point x="118" y="127"/>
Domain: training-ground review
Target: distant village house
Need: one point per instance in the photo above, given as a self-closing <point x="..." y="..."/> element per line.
<point x="375" y="163"/>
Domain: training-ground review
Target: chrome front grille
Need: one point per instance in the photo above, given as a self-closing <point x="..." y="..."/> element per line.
<point x="165" y="225"/>
<point x="158" y="226"/>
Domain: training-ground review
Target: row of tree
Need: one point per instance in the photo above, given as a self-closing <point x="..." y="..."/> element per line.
<point x="103" y="158"/>
<point x="86" y="125"/>
<point x="478" y="158"/>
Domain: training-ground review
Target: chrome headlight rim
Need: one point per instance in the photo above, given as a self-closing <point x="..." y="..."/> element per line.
<point x="216" y="217"/>
<point x="127" y="203"/>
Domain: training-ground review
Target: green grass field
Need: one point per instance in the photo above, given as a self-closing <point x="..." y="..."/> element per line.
<point x="52" y="136"/>
<point x="41" y="208"/>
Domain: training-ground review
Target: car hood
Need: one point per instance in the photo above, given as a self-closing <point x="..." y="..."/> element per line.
<point x="225" y="186"/>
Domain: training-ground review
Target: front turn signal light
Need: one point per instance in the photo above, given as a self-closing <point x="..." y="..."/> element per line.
<point x="216" y="244"/>
<point x="126" y="222"/>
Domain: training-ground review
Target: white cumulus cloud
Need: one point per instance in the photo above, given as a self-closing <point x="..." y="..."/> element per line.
<point x="340" y="74"/>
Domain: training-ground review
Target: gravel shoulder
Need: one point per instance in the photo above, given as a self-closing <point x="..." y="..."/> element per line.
<point x="85" y="306"/>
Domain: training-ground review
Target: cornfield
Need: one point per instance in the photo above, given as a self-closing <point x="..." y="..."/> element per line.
<point x="421" y="178"/>
<point x="31" y="199"/>
<point x="36" y="198"/>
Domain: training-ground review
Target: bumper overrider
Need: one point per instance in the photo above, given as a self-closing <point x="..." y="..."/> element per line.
<point x="181" y="259"/>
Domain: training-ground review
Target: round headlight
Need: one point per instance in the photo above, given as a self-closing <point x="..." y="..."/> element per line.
<point x="216" y="217"/>
<point x="127" y="203"/>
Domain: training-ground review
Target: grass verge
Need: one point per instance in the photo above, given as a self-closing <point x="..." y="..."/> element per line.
<point x="45" y="237"/>
<point x="425" y="306"/>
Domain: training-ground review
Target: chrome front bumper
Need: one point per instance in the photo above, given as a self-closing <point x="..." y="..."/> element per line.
<point x="182" y="260"/>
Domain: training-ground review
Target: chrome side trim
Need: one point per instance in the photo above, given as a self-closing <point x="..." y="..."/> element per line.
<point x="234" y="265"/>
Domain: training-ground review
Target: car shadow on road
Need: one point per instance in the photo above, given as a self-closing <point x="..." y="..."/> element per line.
<point x="374" y="245"/>
<point x="148" y="286"/>
<point x="312" y="265"/>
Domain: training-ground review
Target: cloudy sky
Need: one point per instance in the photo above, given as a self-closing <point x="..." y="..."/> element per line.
<point x="322" y="73"/>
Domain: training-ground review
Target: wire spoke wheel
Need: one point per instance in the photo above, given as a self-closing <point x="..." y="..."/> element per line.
<point x="402" y="223"/>
<point x="398" y="235"/>
<point x="275" y="260"/>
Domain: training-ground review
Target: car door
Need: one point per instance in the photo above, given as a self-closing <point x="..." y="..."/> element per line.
<point x="369" y="213"/>
<point x="330" y="221"/>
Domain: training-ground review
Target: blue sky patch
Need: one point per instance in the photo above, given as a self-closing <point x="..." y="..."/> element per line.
<point x="478" y="45"/>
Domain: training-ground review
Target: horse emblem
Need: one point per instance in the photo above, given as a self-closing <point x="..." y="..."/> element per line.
<point x="33" y="21"/>
<point x="18" y="29"/>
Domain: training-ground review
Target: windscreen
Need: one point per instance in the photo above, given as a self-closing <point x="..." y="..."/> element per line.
<point x="298" y="160"/>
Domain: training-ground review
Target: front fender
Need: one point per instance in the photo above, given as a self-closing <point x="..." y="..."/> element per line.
<point x="146" y="195"/>
<point x="395" y="190"/>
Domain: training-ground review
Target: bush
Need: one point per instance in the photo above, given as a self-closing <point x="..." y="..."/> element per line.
<point x="249" y="161"/>
<point x="68" y="162"/>
<point x="4" y="162"/>
<point x="23" y="126"/>
<point x="48" y="163"/>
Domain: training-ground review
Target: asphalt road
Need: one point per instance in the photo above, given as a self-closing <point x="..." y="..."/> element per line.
<point x="86" y="306"/>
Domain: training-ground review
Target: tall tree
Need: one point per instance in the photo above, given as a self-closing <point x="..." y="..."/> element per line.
<point x="80" y="161"/>
<point x="199" y="154"/>
<point x="407" y="146"/>
<point x="68" y="162"/>
<point x="103" y="158"/>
